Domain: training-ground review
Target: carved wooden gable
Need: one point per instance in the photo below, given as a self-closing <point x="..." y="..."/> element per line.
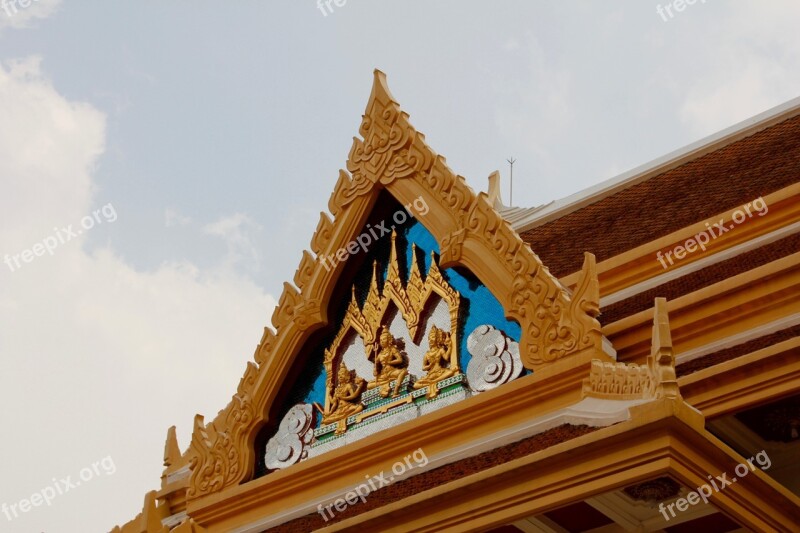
<point x="415" y="296"/>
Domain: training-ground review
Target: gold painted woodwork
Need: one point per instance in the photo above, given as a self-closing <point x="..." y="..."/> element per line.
<point x="149" y="520"/>
<point x="663" y="437"/>
<point x="384" y="408"/>
<point x="440" y="361"/>
<point x="391" y="155"/>
<point x="343" y="399"/>
<point x="736" y="304"/>
<point x="757" y="378"/>
<point x="189" y="526"/>
<point x="629" y="381"/>
<point x="391" y="366"/>
<point x="172" y="453"/>
<point x="554" y="387"/>
<point x="410" y="300"/>
<point x="621" y="381"/>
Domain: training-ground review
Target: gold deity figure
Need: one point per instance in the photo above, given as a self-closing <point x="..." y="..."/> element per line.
<point x="390" y="365"/>
<point x="437" y="361"/>
<point x="345" y="400"/>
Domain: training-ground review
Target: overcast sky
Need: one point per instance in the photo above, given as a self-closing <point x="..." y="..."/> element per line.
<point x="201" y="139"/>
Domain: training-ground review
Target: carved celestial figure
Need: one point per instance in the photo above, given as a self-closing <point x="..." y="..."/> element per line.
<point x="346" y="397"/>
<point x="437" y="361"/>
<point x="390" y="365"/>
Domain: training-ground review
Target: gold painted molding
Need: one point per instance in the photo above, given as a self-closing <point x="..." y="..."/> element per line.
<point x="663" y="438"/>
<point x="763" y="376"/>
<point x="739" y="303"/>
<point x="391" y="155"/>
<point x="555" y="387"/>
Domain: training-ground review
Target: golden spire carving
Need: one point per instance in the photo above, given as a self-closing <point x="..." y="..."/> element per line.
<point x="410" y="300"/>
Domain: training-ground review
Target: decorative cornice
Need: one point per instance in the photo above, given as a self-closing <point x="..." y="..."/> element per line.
<point x="630" y="381"/>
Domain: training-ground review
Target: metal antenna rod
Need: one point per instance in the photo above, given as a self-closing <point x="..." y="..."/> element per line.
<point x="511" y="162"/>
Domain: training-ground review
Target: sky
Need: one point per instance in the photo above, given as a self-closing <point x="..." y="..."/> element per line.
<point x="163" y="166"/>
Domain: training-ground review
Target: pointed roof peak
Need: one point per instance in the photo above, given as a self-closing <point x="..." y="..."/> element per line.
<point x="380" y="95"/>
<point x="380" y="87"/>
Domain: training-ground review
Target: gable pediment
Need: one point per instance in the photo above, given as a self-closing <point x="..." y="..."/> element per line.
<point x="533" y="321"/>
<point x="410" y="339"/>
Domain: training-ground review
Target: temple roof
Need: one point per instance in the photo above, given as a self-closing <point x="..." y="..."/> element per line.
<point x="692" y="184"/>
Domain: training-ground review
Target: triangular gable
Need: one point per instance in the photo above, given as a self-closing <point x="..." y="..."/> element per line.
<point x="392" y="158"/>
<point x="447" y="331"/>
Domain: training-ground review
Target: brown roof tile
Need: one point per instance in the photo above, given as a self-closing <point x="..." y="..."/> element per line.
<point x="757" y="165"/>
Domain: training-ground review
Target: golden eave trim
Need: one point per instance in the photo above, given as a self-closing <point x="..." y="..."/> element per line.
<point x="661" y="440"/>
<point x="759" y="377"/>
<point x="714" y="312"/>
<point x="532" y="396"/>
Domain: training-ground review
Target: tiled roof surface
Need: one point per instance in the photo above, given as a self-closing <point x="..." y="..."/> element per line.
<point x="695" y="191"/>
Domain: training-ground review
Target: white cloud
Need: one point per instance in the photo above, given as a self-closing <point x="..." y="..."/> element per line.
<point x="47" y="149"/>
<point x="759" y="69"/>
<point x="235" y="231"/>
<point x="174" y="218"/>
<point x="98" y="358"/>
<point x="14" y="15"/>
